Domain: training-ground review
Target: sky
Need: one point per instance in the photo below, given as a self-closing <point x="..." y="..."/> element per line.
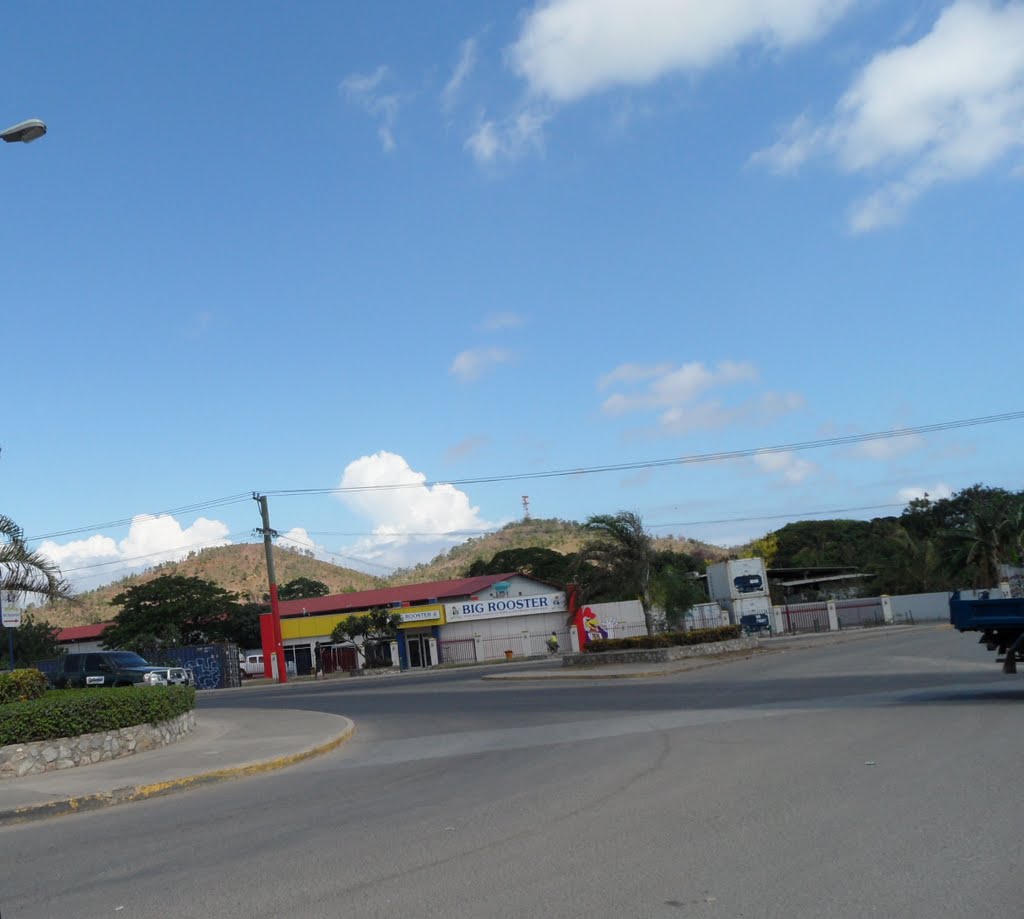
<point x="360" y="257"/>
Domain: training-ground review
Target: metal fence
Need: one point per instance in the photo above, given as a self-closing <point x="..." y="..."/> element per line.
<point x="805" y="617"/>
<point x="457" y="650"/>
<point x="863" y="613"/>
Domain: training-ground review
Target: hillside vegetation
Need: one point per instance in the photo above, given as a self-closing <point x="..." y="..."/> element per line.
<point x="241" y="569"/>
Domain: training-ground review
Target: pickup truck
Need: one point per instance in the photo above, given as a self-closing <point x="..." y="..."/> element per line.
<point x="1001" y="623"/>
<point x="115" y="668"/>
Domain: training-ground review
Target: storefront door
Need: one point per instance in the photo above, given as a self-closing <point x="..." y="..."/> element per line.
<point x="419" y="651"/>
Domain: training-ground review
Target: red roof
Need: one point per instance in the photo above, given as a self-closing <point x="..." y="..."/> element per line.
<point x="83" y="632"/>
<point x="413" y="594"/>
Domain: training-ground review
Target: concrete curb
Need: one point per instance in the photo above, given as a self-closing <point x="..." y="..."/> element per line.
<point x="128" y="793"/>
<point x="595" y="673"/>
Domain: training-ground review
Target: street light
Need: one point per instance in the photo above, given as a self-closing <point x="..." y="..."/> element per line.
<point x="25" y="132"/>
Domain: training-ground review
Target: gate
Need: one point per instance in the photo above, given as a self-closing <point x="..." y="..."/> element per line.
<point x="859" y="613"/>
<point x="457" y="651"/>
<point x="805" y="617"/>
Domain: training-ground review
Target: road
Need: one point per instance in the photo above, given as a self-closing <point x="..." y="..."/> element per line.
<point x="865" y="778"/>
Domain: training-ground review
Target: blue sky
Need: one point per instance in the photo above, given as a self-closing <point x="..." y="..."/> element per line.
<point x="272" y="246"/>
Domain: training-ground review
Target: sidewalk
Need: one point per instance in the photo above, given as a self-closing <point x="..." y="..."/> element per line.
<point x="222" y="747"/>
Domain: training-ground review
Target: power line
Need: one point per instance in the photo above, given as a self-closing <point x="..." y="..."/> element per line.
<point x="833" y="510"/>
<point x="846" y="440"/>
<point x="221" y="540"/>
<point x="125" y="521"/>
<point x="350" y="558"/>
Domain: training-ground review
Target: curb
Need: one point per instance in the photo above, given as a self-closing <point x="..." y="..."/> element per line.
<point x="128" y="793"/>
<point x="588" y="673"/>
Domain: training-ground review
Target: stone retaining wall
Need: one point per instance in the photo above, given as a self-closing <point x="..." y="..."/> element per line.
<point x="660" y="655"/>
<point x="41" y="756"/>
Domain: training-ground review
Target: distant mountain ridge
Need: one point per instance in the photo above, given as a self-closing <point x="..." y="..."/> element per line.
<point x="242" y="568"/>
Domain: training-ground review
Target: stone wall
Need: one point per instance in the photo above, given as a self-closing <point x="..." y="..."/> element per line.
<point x="41" y="756"/>
<point x="660" y="655"/>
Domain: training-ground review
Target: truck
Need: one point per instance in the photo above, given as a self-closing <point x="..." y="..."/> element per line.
<point x="1000" y="621"/>
<point x="115" y="668"/>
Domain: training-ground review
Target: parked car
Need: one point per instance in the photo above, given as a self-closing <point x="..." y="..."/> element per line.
<point x="251" y="664"/>
<point x="115" y="668"/>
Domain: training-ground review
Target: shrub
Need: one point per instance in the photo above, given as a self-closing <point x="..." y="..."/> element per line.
<point x="70" y="712"/>
<point x="22" y="685"/>
<point x="664" y="640"/>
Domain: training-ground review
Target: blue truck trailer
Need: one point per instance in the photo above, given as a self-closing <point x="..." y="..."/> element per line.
<point x="1001" y="623"/>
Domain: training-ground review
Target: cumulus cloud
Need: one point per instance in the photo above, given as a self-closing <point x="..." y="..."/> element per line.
<point x="150" y="541"/>
<point x="943" y="108"/>
<point x="786" y="465"/>
<point x="913" y="492"/>
<point x="472" y="363"/>
<point x="406" y="513"/>
<point x="568" y="49"/>
<point x="368" y="93"/>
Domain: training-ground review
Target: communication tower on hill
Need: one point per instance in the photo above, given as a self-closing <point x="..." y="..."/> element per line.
<point x="526" y="507"/>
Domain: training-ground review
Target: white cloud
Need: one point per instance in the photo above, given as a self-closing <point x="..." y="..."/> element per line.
<point x="889" y="448"/>
<point x="499" y="322"/>
<point x="680" y="393"/>
<point x="787" y="465"/>
<point x="568" y="49"/>
<point x="408" y="516"/>
<point x="366" y="92"/>
<point x="912" y="492"/>
<point x="463" y="68"/>
<point x="941" y="109"/>
<point x="150" y="541"/>
<point x="510" y="138"/>
<point x="472" y="363"/>
<point x="670" y="386"/>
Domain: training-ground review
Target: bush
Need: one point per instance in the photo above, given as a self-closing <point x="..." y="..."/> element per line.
<point x="22" y="685"/>
<point x="664" y="640"/>
<point x="70" y="712"/>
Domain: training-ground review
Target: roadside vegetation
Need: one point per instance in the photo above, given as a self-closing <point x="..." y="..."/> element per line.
<point x="663" y="640"/>
<point x="70" y="712"/>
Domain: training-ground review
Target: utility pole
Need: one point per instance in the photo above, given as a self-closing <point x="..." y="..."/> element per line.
<point x="277" y="649"/>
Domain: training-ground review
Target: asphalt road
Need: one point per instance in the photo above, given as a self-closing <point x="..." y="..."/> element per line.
<point x="875" y="777"/>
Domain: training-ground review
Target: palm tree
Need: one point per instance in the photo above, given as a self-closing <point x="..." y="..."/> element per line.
<point x="617" y="560"/>
<point x="990" y="537"/>
<point x="25" y="571"/>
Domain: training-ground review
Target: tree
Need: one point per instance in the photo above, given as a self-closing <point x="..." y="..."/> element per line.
<point x="374" y="627"/>
<point x="23" y="571"/>
<point x="617" y="561"/>
<point x="169" y="610"/>
<point x="302" y="589"/>
<point x="545" y="564"/>
<point x="33" y="641"/>
<point x="989" y="539"/>
<point x="674" y="586"/>
<point x="241" y="626"/>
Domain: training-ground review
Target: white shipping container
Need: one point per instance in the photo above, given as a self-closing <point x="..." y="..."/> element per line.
<point x="738" y="579"/>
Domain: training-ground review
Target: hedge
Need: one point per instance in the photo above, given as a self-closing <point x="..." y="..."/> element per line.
<point x="664" y="640"/>
<point x="70" y="712"/>
<point x="22" y="685"/>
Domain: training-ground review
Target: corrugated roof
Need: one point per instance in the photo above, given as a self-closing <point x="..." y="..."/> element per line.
<point x="83" y="632"/>
<point x="413" y="594"/>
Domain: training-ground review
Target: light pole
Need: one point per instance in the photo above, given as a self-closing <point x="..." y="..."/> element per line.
<point x="24" y="132"/>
